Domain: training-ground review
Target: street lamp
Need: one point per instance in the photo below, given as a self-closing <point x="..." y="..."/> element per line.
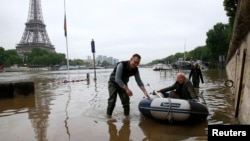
<point x="93" y="51"/>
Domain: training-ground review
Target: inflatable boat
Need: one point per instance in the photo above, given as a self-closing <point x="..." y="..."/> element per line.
<point x="171" y="109"/>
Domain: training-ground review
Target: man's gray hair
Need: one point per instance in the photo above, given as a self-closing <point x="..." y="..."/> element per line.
<point x="180" y="74"/>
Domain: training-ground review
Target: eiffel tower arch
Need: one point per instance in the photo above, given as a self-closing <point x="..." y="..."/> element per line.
<point x="35" y="34"/>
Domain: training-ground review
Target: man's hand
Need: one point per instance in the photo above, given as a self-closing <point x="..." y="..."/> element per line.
<point x="196" y="100"/>
<point x="128" y="91"/>
<point x="146" y="94"/>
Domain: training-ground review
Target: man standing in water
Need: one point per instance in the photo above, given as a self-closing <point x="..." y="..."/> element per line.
<point x="196" y="75"/>
<point x="117" y="84"/>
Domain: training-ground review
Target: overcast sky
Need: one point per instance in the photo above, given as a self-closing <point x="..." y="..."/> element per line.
<point x="153" y="28"/>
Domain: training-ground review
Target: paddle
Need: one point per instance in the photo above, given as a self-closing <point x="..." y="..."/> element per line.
<point x="201" y="98"/>
<point x="154" y="91"/>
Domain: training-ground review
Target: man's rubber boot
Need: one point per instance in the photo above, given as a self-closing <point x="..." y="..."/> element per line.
<point x="126" y="110"/>
<point x="110" y="110"/>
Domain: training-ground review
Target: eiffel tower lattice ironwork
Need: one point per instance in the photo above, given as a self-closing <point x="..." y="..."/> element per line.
<point x="35" y="35"/>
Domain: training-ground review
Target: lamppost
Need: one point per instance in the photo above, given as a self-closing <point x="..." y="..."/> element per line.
<point x="93" y="51"/>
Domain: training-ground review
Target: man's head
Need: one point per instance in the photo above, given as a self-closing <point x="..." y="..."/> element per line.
<point x="180" y="77"/>
<point x="135" y="60"/>
<point x="196" y="65"/>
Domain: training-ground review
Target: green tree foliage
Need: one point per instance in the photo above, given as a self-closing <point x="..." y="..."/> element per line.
<point x="200" y="53"/>
<point x="173" y="58"/>
<point x="105" y="63"/>
<point x="1" y="56"/>
<point x="9" y="57"/>
<point x="42" y="57"/>
<point x="76" y="62"/>
<point x="155" y="61"/>
<point x="59" y="58"/>
<point x="37" y="57"/>
<point x="217" y="41"/>
<point x="230" y="6"/>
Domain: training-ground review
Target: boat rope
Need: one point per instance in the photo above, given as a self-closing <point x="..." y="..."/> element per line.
<point x="170" y="114"/>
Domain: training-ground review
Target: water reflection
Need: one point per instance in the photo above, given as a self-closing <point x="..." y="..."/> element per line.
<point x="66" y="112"/>
<point x="119" y="135"/>
<point x="76" y="110"/>
<point x="14" y="106"/>
<point x="95" y="101"/>
<point x="34" y="106"/>
<point x="39" y="115"/>
<point x="219" y="98"/>
<point x="160" y="131"/>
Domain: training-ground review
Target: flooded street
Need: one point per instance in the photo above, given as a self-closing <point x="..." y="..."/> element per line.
<point x="76" y="110"/>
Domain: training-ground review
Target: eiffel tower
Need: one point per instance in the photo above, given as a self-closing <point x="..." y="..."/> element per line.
<point x="35" y="35"/>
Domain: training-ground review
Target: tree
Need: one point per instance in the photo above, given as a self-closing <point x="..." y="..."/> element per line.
<point x="1" y="56"/>
<point x="230" y="6"/>
<point x="57" y="58"/>
<point x="200" y="53"/>
<point x="11" y="57"/>
<point x="43" y="57"/>
<point x="105" y="63"/>
<point x="217" y="40"/>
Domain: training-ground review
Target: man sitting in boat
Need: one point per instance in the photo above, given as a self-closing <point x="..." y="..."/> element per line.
<point x="182" y="89"/>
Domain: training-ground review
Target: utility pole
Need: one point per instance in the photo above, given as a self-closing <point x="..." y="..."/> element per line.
<point x="93" y="51"/>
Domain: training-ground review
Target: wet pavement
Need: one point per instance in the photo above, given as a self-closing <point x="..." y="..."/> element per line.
<point x="76" y="110"/>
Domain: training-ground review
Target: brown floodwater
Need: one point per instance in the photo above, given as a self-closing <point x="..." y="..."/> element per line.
<point x="75" y="111"/>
